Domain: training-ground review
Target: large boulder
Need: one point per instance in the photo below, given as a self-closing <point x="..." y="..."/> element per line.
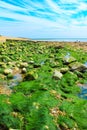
<point x="77" y="66"/>
<point x="68" y="59"/>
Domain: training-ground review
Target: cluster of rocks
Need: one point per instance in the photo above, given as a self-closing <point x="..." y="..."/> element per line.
<point x="72" y="65"/>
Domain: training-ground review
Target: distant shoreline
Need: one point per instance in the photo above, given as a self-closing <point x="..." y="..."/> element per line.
<point x="78" y="44"/>
<point x="61" y="39"/>
<point x="4" y="38"/>
<point x="73" y="44"/>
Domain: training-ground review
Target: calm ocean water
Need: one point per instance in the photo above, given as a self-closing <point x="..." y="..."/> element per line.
<point x="61" y="39"/>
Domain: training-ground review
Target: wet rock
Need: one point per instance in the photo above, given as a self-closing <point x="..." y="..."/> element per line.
<point x="30" y="76"/>
<point x="2" y="63"/>
<point x="31" y="62"/>
<point x="57" y="75"/>
<point x="2" y="76"/>
<point x="37" y="65"/>
<point x="4" y="66"/>
<point x="68" y="59"/>
<point x="11" y="63"/>
<point x="15" y="69"/>
<point x="24" y="64"/>
<point x="64" y="70"/>
<point x="54" y="64"/>
<point x="24" y="70"/>
<point x="77" y="66"/>
<point x="8" y="71"/>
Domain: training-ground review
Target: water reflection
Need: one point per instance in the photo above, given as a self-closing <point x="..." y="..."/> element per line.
<point x="85" y="64"/>
<point x="83" y="93"/>
<point x="16" y="79"/>
<point x="67" y="55"/>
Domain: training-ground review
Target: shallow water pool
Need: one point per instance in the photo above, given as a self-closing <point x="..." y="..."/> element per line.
<point x="83" y="93"/>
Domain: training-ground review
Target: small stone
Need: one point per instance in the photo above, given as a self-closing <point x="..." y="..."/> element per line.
<point x="64" y="70"/>
<point x="1" y="63"/>
<point x="30" y="76"/>
<point x="4" y="66"/>
<point x="24" y="70"/>
<point x="16" y="69"/>
<point x="31" y="62"/>
<point x="7" y="71"/>
<point x="24" y="64"/>
<point x="37" y="65"/>
<point x="2" y="76"/>
<point x="57" y="75"/>
<point x="46" y="127"/>
<point x="11" y="63"/>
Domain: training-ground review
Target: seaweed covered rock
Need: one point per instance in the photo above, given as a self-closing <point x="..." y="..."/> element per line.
<point x="77" y="66"/>
<point x="24" y="70"/>
<point x="36" y="65"/>
<point x="30" y="76"/>
<point x="23" y="64"/>
<point x="68" y="59"/>
<point x="64" y="70"/>
<point x="8" y="71"/>
<point x="2" y="63"/>
<point x="57" y="75"/>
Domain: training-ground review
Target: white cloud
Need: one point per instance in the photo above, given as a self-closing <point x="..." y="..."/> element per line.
<point x="82" y="6"/>
<point x="69" y="1"/>
<point x="41" y="24"/>
<point x="10" y="6"/>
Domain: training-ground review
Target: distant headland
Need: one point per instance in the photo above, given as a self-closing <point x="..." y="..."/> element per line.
<point x="4" y="38"/>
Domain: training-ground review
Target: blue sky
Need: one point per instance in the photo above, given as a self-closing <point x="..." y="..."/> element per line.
<point x="44" y="18"/>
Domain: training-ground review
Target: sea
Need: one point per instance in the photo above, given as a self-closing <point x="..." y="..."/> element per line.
<point x="62" y="39"/>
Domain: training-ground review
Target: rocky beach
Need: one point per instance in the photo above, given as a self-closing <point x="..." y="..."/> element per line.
<point x="41" y="85"/>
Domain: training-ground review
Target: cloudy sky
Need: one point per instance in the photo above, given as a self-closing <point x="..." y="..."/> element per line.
<point x="44" y="18"/>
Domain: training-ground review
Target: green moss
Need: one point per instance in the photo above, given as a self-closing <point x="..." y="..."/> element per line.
<point x="7" y="120"/>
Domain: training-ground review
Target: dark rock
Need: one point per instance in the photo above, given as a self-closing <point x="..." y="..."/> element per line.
<point x="68" y="59"/>
<point x="77" y="66"/>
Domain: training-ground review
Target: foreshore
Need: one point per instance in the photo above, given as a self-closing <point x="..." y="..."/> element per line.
<point x="75" y="45"/>
<point x="41" y="85"/>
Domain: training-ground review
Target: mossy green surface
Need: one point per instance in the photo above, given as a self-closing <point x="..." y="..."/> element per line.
<point x="41" y="102"/>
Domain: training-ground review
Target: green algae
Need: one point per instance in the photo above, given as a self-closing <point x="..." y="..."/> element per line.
<point x="40" y="102"/>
